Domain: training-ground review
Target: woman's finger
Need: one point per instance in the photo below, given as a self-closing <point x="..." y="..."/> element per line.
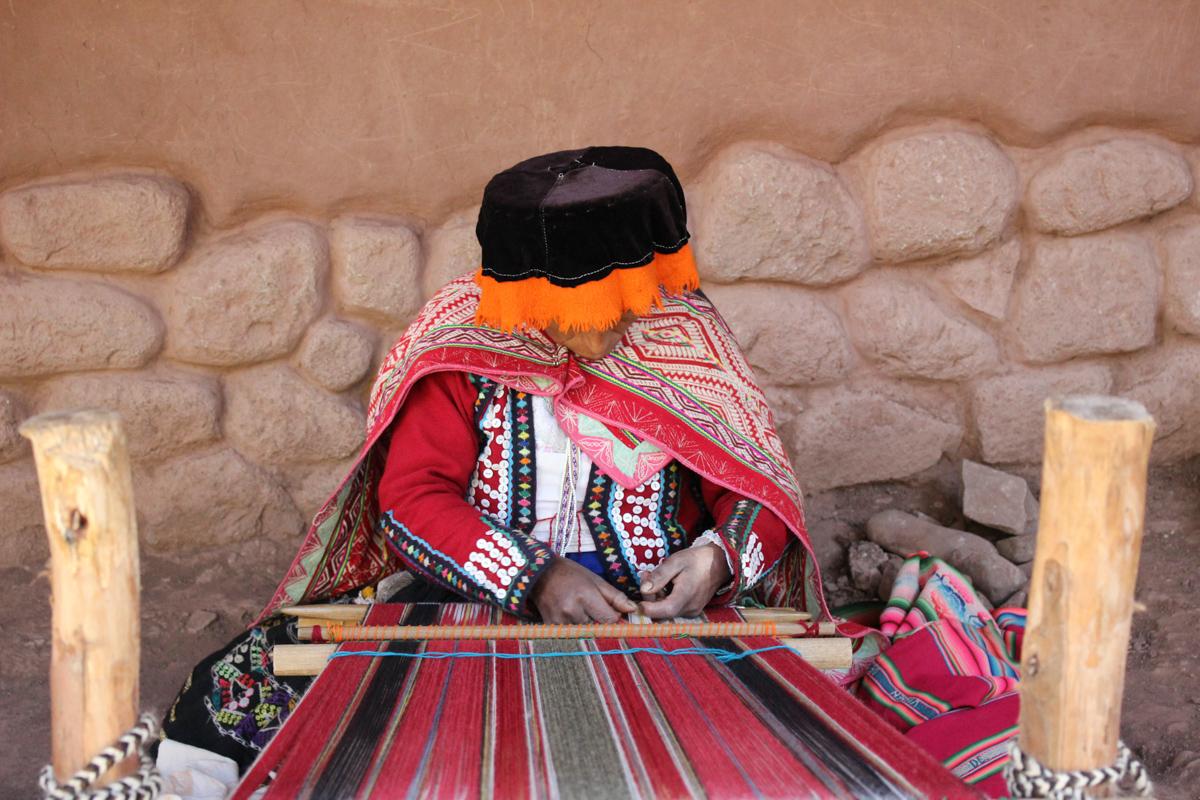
<point x="683" y="597"/>
<point x="668" y="607"/>
<point x="665" y="572"/>
<point x="597" y="608"/>
<point x="615" y="597"/>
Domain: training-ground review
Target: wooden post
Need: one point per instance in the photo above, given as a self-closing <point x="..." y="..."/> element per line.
<point x="1081" y="593"/>
<point x="87" y="499"/>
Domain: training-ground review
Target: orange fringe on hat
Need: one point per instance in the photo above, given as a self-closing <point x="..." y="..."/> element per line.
<point x="595" y="305"/>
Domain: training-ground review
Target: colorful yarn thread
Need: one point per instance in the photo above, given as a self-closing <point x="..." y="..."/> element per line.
<point x="375" y="633"/>
<point x="722" y="655"/>
<point x="635" y="725"/>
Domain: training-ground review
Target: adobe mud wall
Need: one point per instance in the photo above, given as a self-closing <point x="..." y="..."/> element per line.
<point x="214" y="219"/>
<point x="408" y="107"/>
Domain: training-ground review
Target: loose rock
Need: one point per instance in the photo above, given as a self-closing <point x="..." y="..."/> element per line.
<point x="271" y="275"/>
<point x="1094" y="294"/>
<point x="998" y="499"/>
<point x="1018" y="599"/>
<point x="1018" y="549"/>
<point x="116" y="223"/>
<point x="866" y="559"/>
<point x="829" y="539"/>
<point x="841" y="592"/>
<point x="900" y="326"/>
<point x="769" y="320"/>
<point x="974" y="556"/>
<point x="453" y="251"/>
<point x="163" y="413"/>
<point x="1009" y="409"/>
<point x="275" y="417"/>
<point x="984" y="282"/>
<point x="887" y="576"/>
<point x="836" y="440"/>
<point x="199" y="620"/>
<point x="770" y="213"/>
<point x="376" y="266"/>
<point x="1100" y="185"/>
<point x="933" y="194"/>
<point x="1182" y="247"/>
<point x="49" y="326"/>
<point x="336" y="354"/>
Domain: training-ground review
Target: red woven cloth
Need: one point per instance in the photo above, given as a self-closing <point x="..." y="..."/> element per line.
<point x="633" y="725"/>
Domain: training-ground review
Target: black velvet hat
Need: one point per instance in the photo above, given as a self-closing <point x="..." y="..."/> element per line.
<point x="580" y="237"/>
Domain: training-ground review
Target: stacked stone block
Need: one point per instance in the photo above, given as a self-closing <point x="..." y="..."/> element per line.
<point x="912" y="303"/>
<point x="992" y="277"/>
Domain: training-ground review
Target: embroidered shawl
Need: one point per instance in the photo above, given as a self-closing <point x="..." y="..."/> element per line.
<point x="677" y="382"/>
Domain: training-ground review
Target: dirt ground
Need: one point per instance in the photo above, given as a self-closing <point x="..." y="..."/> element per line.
<point x="191" y="607"/>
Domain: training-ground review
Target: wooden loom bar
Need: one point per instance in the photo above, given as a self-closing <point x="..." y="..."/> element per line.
<point x="318" y="613"/>
<point x="339" y="632"/>
<point x="1081" y="593"/>
<point x="343" y="612"/>
<point x="87" y="498"/>
<point x="832" y="652"/>
<point x="301" y="659"/>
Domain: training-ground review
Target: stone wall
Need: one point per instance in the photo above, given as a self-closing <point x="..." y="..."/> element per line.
<point x="914" y="302"/>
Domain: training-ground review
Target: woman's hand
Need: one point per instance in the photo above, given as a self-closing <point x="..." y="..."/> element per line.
<point x="694" y="576"/>
<point x="569" y="593"/>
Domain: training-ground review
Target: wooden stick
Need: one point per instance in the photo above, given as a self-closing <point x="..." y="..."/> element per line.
<point x="317" y="614"/>
<point x="337" y="632"/>
<point x="344" y="612"/>
<point x="824" y="652"/>
<point x="87" y="498"/>
<point x="309" y="659"/>
<point x="301" y="659"/>
<point x="1081" y="594"/>
<point x="778" y="614"/>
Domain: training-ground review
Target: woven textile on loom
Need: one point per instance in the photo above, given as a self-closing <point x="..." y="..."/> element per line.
<point x="612" y="726"/>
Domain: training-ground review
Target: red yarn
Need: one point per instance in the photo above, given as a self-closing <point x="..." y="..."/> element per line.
<point x="767" y="725"/>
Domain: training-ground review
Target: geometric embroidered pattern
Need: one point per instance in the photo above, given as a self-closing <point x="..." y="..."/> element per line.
<point x="632" y="529"/>
<point x="738" y="533"/>
<point x="678" y="380"/>
<point x="499" y="570"/>
<point x="247" y="703"/>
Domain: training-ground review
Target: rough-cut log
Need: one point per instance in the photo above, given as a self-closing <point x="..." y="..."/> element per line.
<point x="1081" y="595"/>
<point x="87" y="497"/>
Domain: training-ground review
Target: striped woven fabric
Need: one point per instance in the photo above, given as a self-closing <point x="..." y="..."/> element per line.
<point x="612" y="726"/>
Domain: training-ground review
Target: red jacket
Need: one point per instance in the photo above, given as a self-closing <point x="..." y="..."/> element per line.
<point x="458" y="489"/>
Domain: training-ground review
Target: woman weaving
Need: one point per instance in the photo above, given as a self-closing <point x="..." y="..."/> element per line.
<point x="520" y="465"/>
<point x="570" y="434"/>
